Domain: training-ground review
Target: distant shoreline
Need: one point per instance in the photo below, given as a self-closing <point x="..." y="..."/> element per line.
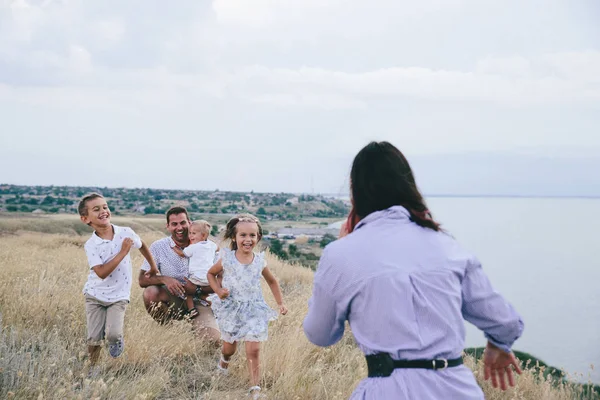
<point x="488" y="196"/>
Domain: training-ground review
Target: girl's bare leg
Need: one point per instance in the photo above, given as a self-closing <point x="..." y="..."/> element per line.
<point x="252" y="355"/>
<point x="227" y="351"/>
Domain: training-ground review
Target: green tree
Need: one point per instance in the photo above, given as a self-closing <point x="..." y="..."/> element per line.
<point x="327" y="238"/>
<point x="48" y="201"/>
<point x="150" y="210"/>
<point x="293" y="250"/>
<point x="261" y="211"/>
<point x="276" y="247"/>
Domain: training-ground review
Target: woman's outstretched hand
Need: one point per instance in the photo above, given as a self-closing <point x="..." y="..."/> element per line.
<point x="499" y="365"/>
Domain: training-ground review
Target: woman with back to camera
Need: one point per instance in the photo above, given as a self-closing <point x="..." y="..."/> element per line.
<point x="405" y="287"/>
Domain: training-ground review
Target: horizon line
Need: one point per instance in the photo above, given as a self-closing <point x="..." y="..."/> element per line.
<point x="331" y="194"/>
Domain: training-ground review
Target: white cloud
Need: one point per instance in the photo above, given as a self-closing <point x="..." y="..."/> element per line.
<point x="282" y="13"/>
<point x="80" y="60"/>
<point x="514" y="67"/>
<point x="505" y="81"/>
<point x="259" y="13"/>
<point x="433" y="75"/>
<point x="582" y="66"/>
<point x="109" y="31"/>
<point x="192" y="57"/>
<point x="326" y="101"/>
<point x="20" y="21"/>
<point x="510" y="82"/>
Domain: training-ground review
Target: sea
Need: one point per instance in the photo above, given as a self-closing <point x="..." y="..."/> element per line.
<point x="543" y="255"/>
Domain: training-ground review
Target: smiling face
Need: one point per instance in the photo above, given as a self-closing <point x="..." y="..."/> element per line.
<point x="98" y="213"/>
<point x="246" y="236"/>
<point x="178" y="228"/>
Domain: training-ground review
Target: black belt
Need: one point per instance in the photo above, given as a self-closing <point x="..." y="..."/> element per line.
<point x="382" y="365"/>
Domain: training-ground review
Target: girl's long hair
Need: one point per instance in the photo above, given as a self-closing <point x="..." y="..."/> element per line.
<point x="380" y="178"/>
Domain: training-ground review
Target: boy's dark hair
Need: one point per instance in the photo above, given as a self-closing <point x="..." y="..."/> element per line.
<point x="82" y="207"/>
<point x="176" y="210"/>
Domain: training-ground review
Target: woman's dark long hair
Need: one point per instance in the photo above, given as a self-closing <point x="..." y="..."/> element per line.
<point x="381" y="178"/>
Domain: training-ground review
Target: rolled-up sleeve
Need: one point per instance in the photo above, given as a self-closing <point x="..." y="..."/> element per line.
<point x="324" y="323"/>
<point x="488" y="310"/>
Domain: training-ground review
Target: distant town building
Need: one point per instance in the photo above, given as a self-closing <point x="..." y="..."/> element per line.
<point x="311" y="233"/>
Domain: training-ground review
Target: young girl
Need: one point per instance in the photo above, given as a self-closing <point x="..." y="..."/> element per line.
<point x="238" y="305"/>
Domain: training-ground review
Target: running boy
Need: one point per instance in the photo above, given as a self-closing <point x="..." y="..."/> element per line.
<point x="108" y="286"/>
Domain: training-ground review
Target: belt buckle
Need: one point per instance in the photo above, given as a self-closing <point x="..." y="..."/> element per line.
<point x="435" y="367"/>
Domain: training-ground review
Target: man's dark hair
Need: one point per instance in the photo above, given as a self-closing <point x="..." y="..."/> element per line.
<point x="176" y="210"/>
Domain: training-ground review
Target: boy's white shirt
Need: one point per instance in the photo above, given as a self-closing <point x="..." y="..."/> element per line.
<point x="116" y="286"/>
<point x="202" y="255"/>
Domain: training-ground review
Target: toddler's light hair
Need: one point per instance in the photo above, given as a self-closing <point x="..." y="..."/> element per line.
<point x="204" y="226"/>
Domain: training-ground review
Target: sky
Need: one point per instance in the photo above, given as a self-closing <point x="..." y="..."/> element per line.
<point x="482" y="96"/>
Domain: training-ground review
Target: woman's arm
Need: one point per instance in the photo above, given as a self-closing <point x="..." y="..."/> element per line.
<point x="488" y="310"/>
<point x="324" y="323"/>
<point x="502" y="325"/>
<point x="275" y="289"/>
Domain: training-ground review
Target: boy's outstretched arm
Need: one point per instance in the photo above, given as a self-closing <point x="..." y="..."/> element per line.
<point x="145" y="250"/>
<point x="275" y="289"/>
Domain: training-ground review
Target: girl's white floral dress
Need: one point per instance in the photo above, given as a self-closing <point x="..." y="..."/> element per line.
<point x="244" y="314"/>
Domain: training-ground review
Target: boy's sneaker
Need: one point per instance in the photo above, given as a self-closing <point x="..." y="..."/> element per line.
<point x="116" y="349"/>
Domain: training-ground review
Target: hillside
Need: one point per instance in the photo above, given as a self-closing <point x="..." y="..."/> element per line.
<point x="127" y="201"/>
<point x="42" y="339"/>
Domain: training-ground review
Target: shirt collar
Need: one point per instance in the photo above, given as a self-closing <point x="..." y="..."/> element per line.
<point x="98" y="240"/>
<point x="394" y="212"/>
<point x="173" y="244"/>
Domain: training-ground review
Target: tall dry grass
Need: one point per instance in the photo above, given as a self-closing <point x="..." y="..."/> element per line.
<point x="42" y="340"/>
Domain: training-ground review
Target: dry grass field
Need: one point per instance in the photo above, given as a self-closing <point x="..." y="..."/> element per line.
<point x="42" y="335"/>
